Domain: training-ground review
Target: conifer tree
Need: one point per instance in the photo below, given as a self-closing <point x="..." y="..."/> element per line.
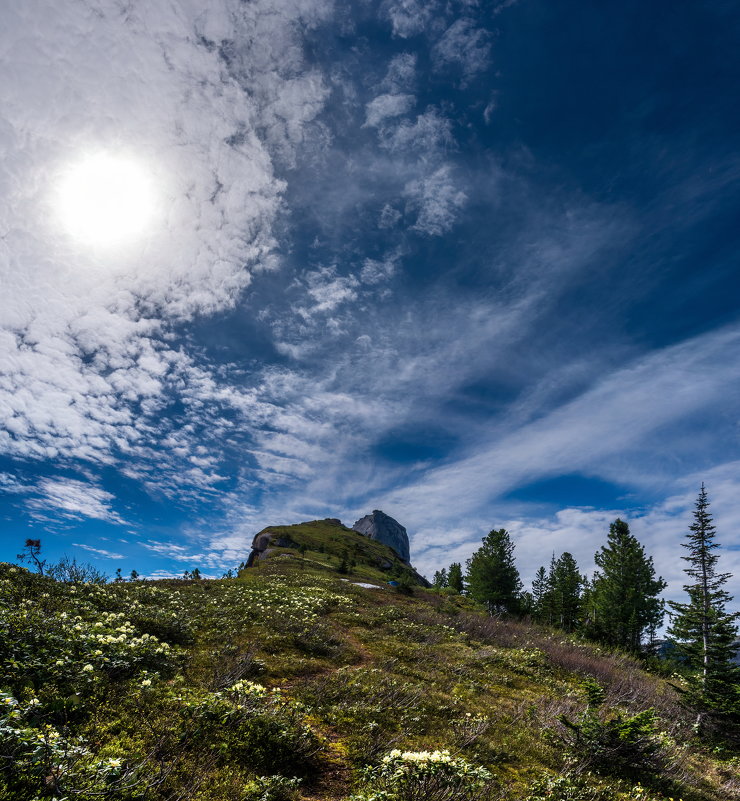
<point x="557" y="593"/>
<point x="492" y="577"/>
<point x="440" y="579"/>
<point x="455" y="577"/>
<point x="540" y="595"/>
<point x="623" y="597"/>
<point x="704" y="631"/>
<point x="566" y="584"/>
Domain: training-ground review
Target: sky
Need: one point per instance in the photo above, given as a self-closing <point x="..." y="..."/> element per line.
<point x="470" y="263"/>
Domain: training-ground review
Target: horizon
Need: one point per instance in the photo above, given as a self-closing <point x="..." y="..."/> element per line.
<point x="473" y="265"/>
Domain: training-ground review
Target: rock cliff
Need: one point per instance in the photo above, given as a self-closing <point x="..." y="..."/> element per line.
<point x="380" y="526"/>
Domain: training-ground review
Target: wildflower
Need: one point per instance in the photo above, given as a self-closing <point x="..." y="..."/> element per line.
<point x="146" y="683"/>
<point x="88" y="668"/>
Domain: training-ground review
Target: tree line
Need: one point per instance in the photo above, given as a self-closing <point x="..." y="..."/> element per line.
<point x="620" y="606"/>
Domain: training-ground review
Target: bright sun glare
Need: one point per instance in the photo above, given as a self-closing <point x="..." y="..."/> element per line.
<point x="106" y="200"/>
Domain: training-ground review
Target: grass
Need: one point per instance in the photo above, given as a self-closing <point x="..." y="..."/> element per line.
<point x="175" y="690"/>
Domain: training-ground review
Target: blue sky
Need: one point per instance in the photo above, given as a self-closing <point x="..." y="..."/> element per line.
<point x="474" y="264"/>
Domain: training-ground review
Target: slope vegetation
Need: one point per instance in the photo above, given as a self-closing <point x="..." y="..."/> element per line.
<point x="295" y="682"/>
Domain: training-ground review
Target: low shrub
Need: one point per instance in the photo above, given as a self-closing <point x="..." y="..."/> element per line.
<point x="37" y="754"/>
<point x="612" y="743"/>
<point x="425" y="776"/>
<point x="259" y="728"/>
<point x="271" y="788"/>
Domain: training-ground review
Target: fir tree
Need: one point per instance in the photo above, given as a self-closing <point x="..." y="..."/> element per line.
<point x="455" y="577"/>
<point x="623" y="598"/>
<point x="440" y="579"/>
<point x="704" y="631"/>
<point x="540" y="596"/>
<point x="492" y="577"/>
<point x="566" y="586"/>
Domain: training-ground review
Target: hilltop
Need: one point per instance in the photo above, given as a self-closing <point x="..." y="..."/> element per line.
<point x="325" y="544"/>
<point x="296" y="681"/>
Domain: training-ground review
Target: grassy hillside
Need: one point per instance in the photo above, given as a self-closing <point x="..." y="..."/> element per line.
<point x="293" y="682"/>
<point x="327" y="542"/>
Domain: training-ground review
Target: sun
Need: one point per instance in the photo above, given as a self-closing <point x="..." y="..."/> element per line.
<point x="106" y="200"/>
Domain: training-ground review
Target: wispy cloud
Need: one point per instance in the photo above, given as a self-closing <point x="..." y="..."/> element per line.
<point x="386" y="106"/>
<point x="70" y="499"/>
<point x="437" y="200"/>
<point x="463" y="44"/>
<point x="98" y="551"/>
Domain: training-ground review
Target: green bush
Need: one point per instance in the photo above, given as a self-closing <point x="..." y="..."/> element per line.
<point x="37" y="754"/>
<point x="271" y="788"/>
<point x="566" y="788"/>
<point x="613" y="744"/>
<point x="257" y="727"/>
<point x="424" y="776"/>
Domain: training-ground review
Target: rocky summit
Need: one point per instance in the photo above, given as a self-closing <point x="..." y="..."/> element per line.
<point x="380" y="526"/>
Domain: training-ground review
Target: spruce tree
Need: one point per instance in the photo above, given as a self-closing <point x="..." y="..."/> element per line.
<point x="540" y="595"/>
<point x="440" y="579"/>
<point x="566" y="584"/>
<point x="492" y="577"/>
<point x="704" y="631"/>
<point x="455" y="577"/>
<point x="623" y="598"/>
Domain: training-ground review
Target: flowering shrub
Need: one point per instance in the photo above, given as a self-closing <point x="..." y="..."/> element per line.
<point x="38" y="753"/>
<point x="425" y="776"/>
<point x="271" y="788"/>
<point x="67" y="652"/>
<point x="258" y="727"/>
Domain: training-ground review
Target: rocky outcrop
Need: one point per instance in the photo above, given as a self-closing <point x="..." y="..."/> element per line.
<point x="262" y="542"/>
<point x="380" y="526"/>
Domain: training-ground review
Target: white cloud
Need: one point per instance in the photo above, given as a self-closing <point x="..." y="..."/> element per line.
<point x="411" y="17"/>
<point x="72" y="499"/>
<point x="388" y="216"/>
<point x="401" y="74"/>
<point x="430" y="133"/>
<point x="384" y="107"/>
<point x="437" y="201"/>
<point x="99" y="551"/>
<point x="376" y="272"/>
<point x="328" y="289"/>
<point x="463" y="44"/>
<point x="178" y="553"/>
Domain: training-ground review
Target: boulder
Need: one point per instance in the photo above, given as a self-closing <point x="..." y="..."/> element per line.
<point x="380" y="526"/>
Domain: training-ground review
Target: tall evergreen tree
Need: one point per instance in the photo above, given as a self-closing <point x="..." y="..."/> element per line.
<point x="455" y="577"/>
<point x="440" y="579"/>
<point x="566" y="585"/>
<point x="623" y="598"/>
<point x="492" y="577"/>
<point x="540" y="596"/>
<point x="557" y="593"/>
<point x="704" y="631"/>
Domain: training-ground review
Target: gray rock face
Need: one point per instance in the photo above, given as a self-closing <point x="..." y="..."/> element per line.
<point x="379" y="526"/>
